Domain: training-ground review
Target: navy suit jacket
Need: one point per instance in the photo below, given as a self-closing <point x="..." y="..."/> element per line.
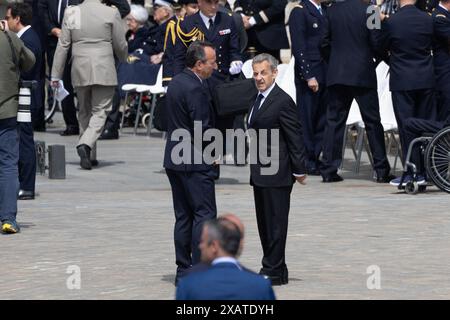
<point x="224" y="281"/>
<point x="307" y="28"/>
<point x="279" y="112"/>
<point x="441" y="20"/>
<point x="224" y="37"/>
<point x="187" y="100"/>
<point x="31" y="40"/>
<point x="408" y="36"/>
<point x="351" y="45"/>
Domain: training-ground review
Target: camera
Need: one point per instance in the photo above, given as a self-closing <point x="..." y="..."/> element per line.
<point x="25" y="88"/>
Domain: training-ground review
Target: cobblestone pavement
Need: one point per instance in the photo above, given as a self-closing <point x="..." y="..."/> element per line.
<point x="115" y="223"/>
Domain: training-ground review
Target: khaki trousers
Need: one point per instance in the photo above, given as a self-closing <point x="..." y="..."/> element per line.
<point x="94" y="103"/>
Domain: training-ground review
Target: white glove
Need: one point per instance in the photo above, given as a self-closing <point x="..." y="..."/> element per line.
<point x="235" y="67"/>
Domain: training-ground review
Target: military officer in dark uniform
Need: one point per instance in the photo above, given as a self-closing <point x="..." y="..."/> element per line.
<point x="217" y="27"/>
<point x="408" y="37"/>
<point x="307" y="25"/>
<point x="351" y="75"/>
<point x="441" y="53"/>
<point x="264" y="20"/>
<point x="170" y="36"/>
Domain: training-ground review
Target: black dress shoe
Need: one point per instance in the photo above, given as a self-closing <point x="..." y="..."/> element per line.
<point x="70" y="132"/>
<point x="109" y="135"/>
<point x="25" y="195"/>
<point x="94" y="163"/>
<point x="332" y="178"/>
<point x="386" y="179"/>
<point x="85" y="156"/>
<point x="276" y="280"/>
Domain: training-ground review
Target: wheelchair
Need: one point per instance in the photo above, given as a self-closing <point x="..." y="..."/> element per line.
<point x="435" y="150"/>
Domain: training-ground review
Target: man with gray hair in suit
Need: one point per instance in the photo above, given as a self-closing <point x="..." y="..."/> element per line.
<point x="95" y="33"/>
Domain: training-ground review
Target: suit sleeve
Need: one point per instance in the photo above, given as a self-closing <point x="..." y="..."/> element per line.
<point x="179" y="53"/>
<point x="292" y="132"/>
<point x="64" y="44"/>
<point x="169" y="51"/>
<point x="43" y="12"/>
<point x="274" y="11"/>
<point x="30" y="75"/>
<point x="26" y="57"/>
<point x="234" y="43"/>
<point x="297" y="29"/>
<point x="442" y="28"/>
<point x="119" y="42"/>
<point x="199" y="108"/>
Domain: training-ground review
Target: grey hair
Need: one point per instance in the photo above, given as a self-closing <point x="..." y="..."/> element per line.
<point x="226" y="233"/>
<point x="139" y="13"/>
<point x="266" y="57"/>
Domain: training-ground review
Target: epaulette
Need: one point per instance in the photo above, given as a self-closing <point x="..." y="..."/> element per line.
<point x="170" y="31"/>
<point x="194" y="35"/>
<point x="440" y="15"/>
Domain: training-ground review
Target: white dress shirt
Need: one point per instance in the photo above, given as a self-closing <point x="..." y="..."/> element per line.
<point x="206" y="19"/>
<point x="22" y="31"/>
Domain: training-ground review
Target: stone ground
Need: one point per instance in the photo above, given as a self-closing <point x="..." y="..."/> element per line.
<point x="115" y="223"/>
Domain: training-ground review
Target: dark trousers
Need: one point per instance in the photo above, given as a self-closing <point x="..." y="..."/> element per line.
<point x="27" y="157"/>
<point x="415" y="128"/>
<point x="313" y="109"/>
<point x="112" y="123"/>
<point x="412" y="104"/>
<point x="9" y="175"/>
<point x="340" y="101"/>
<point x="272" y="211"/>
<point x="194" y="202"/>
<point x="443" y="110"/>
<point x="68" y="104"/>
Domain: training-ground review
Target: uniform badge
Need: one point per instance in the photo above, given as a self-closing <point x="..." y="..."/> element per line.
<point x="224" y="32"/>
<point x="315" y="25"/>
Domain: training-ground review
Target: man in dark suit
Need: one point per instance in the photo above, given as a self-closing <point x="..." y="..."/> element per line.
<point x="219" y="28"/>
<point x="192" y="183"/>
<point x="225" y="279"/>
<point x="264" y="21"/>
<point x="351" y="75"/>
<point x="274" y="111"/>
<point x="19" y="21"/>
<point x="307" y="25"/>
<point x="51" y="13"/>
<point x="408" y="37"/>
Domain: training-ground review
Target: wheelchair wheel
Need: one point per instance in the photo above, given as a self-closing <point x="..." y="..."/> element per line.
<point x="437" y="159"/>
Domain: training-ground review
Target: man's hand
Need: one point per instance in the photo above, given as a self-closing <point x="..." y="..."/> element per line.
<point x="56" y="32"/>
<point x="156" y="58"/>
<point x="54" y="84"/>
<point x="301" y="179"/>
<point x="313" y="85"/>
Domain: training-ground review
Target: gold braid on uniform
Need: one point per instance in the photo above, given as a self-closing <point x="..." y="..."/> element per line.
<point x="194" y="35"/>
<point x="170" y="30"/>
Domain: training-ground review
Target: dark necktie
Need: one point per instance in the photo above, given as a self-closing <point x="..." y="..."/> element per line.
<point x="211" y="24"/>
<point x="256" y="107"/>
<point x="61" y="12"/>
